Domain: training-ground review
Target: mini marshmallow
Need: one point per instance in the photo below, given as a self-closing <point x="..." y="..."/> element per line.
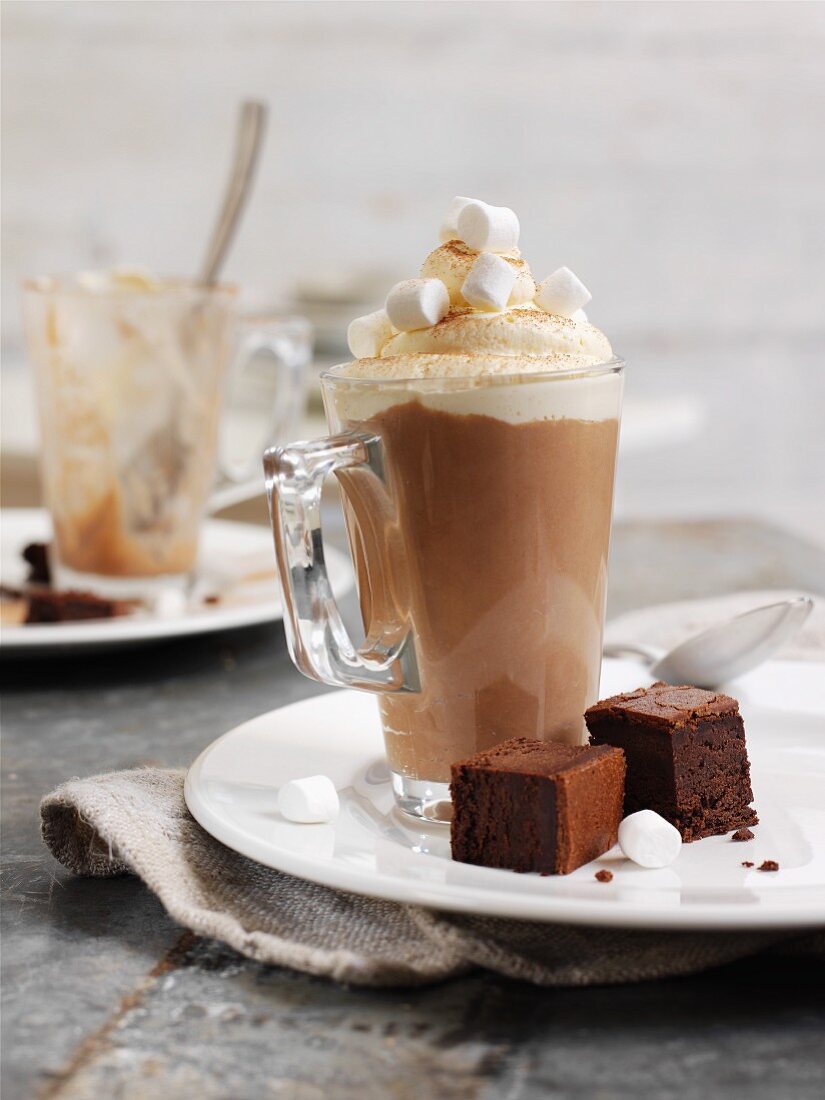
<point x="417" y="303"/>
<point x="170" y="603"/>
<point x="579" y="315"/>
<point x="309" y="800"/>
<point x="490" y="282"/>
<point x="367" y="335"/>
<point x="562" y="293"/>
<point x="649" y="840"/>
<point x="488" y="228"/>
<point x="449" y="227"/>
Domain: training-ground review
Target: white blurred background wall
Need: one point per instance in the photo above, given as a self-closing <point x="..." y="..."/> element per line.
<point x="672" y="154"/>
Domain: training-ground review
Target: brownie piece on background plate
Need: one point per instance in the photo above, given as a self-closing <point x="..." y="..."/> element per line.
<point x="686" y="756"/>
<point x="72" y="607"/>
<point x="536" y="806"/>
<point x="36" y="555"/>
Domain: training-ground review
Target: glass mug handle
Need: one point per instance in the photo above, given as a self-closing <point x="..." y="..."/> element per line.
<point x="289" y="354"/>
<point x="319" y="643"/>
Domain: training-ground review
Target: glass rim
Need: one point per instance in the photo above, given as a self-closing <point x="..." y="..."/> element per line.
<point x="177" y="285"/>
<point x="614" y="365"/>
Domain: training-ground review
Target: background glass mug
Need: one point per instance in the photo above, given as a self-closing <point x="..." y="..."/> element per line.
<point x="131" y="383"/>
<point x="478" y="512"/>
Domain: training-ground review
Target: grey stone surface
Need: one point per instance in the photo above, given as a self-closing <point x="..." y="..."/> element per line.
<point x="105" y="997"/>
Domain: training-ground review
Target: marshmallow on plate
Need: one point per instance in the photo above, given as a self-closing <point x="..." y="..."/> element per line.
<point x="649" y="840"/>
<point x="310" y="800"/>
<point x="490" y="282"/>
<point x="449" y="227"/>
<point x="562" y="293"/>
<point x="367" y="335"/>
<point x="417" y="303"/>
<point x="169" y="603"/>
<point x="488" y="228"/>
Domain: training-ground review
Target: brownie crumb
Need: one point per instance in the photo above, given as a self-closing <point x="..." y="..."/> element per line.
<point x="742" y="834"/>
<point x="768" y="865"/>
<point x="604" y="876"/>
<point x="746" y="863"/>
<point x="36" y="555"/>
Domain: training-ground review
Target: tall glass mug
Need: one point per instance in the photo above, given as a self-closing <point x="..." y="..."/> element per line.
<point x="478" y="512"/>
<point x="131" y="382"/>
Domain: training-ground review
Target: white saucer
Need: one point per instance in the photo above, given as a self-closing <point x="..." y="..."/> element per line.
<point x="239" y="553"/>
<point x="373" y="849"/>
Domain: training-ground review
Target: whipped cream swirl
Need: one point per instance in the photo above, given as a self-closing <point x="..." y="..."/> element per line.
<point x="523" y="337"/>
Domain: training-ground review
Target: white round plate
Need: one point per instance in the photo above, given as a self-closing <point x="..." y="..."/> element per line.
<point x="372" y="849"/>
<point x="237" y="560"/>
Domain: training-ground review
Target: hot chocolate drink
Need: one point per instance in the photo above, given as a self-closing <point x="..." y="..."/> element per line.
<point x="476" y="447"/>
<point x="488" y="537"/>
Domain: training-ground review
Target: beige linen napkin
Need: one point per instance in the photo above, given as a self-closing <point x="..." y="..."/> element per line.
<point x="137" y="822"/>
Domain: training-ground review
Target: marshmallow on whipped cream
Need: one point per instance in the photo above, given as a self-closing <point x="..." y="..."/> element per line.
<point x="562" y="293"/>
<point x="417" y="303"/>
<point x="367" y="335"/>
<point x="476" y="296"/>
<point x="490" y="283"/>
<point x="452" y="263"/>
<point x="449" y="227"/>
<point x="488" y="228"/>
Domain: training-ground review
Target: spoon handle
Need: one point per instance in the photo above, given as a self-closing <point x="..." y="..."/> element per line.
<point x="250" y="134"/>
<point x="648" y="653"/>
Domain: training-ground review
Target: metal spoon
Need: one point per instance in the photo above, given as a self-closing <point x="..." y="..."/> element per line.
<point x="726" y="650"/>
<point x="250" y="135"/>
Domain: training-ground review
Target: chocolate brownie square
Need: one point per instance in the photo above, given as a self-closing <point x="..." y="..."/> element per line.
<point x="536" y="806"/>
<point x="71" y="607"/>
<point x="686" y="756"/>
